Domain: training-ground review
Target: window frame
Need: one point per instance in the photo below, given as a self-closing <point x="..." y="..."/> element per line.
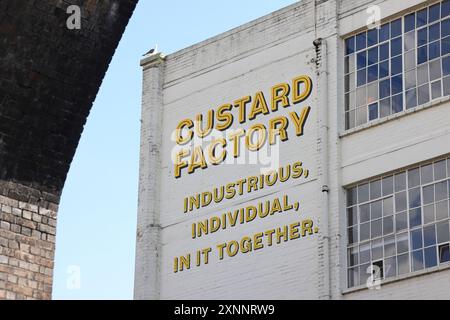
<point x="351" y="110"/>
<point x="355" y="245"/>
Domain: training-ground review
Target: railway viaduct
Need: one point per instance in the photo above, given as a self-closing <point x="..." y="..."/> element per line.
<point x="50" y="73"/>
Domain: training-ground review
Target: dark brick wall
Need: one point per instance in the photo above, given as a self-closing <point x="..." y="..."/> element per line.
<point x="49" y="77"/>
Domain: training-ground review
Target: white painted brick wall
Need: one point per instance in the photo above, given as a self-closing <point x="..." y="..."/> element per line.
<point x="391" y="145"/>
<point x="254" y="57"/>
<point x="148" y="230"/>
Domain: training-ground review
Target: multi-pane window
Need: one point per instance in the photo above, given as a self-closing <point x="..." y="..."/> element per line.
<point x="403" y="64"/>
<point x="399" y="223"/>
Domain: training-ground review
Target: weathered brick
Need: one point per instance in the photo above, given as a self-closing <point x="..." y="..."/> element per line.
<point x="20" y="272"/>
<point x="36" y="234"/>
<point x="8" y="201"/>
<point x="13" y="262"/>
<point x="42" y="269"/>
<point x="12" y="278"/>
<point x="26" y="231"/>
<point x="35" y="250"/>
<point x="10" y="295"/>
<point x="23" y="282"/>
<point x="13" y="244"/>
<point x="27" y="214"/>
<point x="48" y="271"/>
<point x="52" y="222"/>
<point x="3" y="259"/>
<point x="34" y="267"/>
<point x="37" y="217"/>
<point x="29" y="224"/>
<point x="16" y="211"/>
<point x="3" y="242"/>
<point x="51" y="238"/>
<point x="5" y="225"/>
<point x="32" y="284"/>
<point x="6" y="209"/>
<point x="24" y="247"/>
<point x="28" y="207"/>
<point x="24" y="265"/>
<point x="7" y="217"/>
<point x="47" y="229"/>
<point x="47" y="212"/>
<point x="16" y="228"/>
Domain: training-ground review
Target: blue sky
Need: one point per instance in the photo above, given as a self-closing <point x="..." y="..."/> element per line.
<point x="97" y="215"/>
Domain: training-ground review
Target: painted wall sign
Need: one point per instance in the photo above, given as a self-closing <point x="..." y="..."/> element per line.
<point x="230" y="198"/>
<point x="190" y="156"/>
<point x="239" y="194"/>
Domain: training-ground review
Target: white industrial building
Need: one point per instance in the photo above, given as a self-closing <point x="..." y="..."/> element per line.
<point x="375" y="144"/>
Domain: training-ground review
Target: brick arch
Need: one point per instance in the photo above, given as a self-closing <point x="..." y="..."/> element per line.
<point x="49" y="78"/>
